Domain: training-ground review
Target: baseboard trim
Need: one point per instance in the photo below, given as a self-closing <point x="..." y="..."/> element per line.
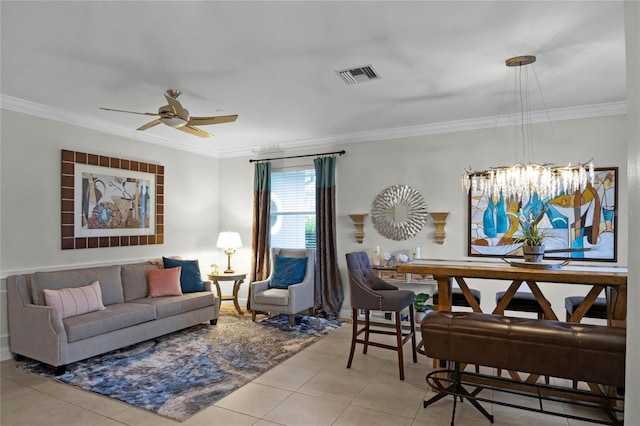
<point x="5" y="352"/>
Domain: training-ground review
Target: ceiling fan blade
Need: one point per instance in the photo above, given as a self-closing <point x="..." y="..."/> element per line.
<point x="201" y="121"/>
<point x="177" y="107"/>
<point x="130" y="112"/>
<point x="194" y="131"/>
<point x="149" y="124"/>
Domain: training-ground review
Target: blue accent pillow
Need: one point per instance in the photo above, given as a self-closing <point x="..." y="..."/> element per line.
<point x="288" y="271"/>
<point x="190" y="278"/>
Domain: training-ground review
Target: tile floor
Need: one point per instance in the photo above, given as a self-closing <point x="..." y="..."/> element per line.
<point x="313" y="387"/>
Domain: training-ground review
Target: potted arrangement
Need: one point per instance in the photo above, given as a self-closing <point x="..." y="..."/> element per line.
<point x="421" y="305"/>
<point x="388" y="259"/>
<point x="531" y="235"/>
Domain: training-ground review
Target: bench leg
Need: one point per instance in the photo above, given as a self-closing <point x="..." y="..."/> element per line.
<point x="456" y="389"/>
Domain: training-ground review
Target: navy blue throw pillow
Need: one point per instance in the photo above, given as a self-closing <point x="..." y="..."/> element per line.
<point x="288" y="271"/>
<point x="190" y="278"/>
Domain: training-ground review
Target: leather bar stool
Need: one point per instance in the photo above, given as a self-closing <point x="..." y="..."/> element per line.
<point x="522" y="302"/>
<point x="370" y="293"/>
<point x="597" y="310"/>
<point x="457" y="298"/>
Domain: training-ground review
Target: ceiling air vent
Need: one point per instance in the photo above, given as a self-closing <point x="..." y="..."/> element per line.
<point x="358" y="75"/>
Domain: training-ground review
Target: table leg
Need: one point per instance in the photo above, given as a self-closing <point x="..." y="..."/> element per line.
<point x="218" y="289"/>
<point x="546" y="307"/>
<point x="617" y="306"/>
<point x="236" y="288"/>
<point x="508" y="295"/>
<point x="586" y="303"/>
<point x="444" y="293"/>
<point x="468" y="295"/>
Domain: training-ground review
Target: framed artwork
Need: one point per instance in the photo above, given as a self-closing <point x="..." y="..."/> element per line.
<point x="580" y="226"/>
<point x="110" y="202"/>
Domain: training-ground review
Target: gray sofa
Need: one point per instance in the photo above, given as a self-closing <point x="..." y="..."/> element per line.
<point x="37" y="331"/>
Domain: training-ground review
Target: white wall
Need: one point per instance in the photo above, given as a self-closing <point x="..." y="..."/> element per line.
<point x="432" y="165"/>
<point x="30" y="200"/>
<point x="632" y="32"/>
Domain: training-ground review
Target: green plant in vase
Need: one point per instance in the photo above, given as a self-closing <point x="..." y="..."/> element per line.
<point x="420" y="302"/>
<point x="531" y="236"/>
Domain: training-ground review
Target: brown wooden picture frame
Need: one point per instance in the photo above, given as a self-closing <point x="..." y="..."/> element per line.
<point x="71" y="213"/>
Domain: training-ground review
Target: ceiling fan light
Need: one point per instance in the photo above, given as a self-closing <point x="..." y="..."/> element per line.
<point x="174" y="122"/>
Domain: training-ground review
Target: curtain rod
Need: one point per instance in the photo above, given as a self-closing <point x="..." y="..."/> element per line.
<point x="300" y="156"/>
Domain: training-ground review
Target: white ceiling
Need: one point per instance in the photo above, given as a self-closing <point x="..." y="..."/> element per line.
<point x="273" y="63"/>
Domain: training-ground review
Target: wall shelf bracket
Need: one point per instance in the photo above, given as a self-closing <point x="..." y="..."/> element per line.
<point x="358" y="222"/>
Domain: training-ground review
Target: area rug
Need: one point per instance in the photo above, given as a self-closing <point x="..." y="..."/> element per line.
<point x="181" y="373"/>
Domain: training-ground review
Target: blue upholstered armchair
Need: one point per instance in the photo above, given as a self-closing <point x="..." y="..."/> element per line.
<point x="290" y="287"/>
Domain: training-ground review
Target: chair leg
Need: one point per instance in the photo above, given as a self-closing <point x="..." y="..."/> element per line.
<point x="292" y="320"/>
<point x="367" y="325"/>
<point x="354" y="333"/>
<point x="399" y="340"/>
<point x="412" y="320"/>
<point x="253" y="316"/>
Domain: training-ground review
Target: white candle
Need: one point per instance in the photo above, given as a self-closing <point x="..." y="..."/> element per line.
<point x="417" y="252"/>
<point x="375" y="255"/>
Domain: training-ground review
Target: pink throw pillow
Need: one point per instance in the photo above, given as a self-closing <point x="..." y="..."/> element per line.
<point x="164" y="282"/>
<point x="75" y="301"/>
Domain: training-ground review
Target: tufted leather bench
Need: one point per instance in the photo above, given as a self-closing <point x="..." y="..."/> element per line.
<point x="589" y="353"/>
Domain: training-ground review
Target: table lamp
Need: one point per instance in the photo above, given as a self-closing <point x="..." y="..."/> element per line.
<point x="229" y="241"/>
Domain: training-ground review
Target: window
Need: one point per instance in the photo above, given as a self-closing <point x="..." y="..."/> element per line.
<point x="293" y="208"/>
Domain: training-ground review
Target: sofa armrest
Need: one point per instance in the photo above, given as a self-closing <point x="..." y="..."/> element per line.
<point x="34" y="331"/>
<point x="208" y="285"/>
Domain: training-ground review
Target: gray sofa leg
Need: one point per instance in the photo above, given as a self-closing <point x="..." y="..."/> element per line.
<point x="213" y="321"/>
<point x="19" y="357"/>
<point x="253" y="316"/>
<point x="59" y="370"/>
<point x="292" y="320"/>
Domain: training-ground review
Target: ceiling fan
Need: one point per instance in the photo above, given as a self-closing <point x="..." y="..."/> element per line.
<point x="176" y="116"/>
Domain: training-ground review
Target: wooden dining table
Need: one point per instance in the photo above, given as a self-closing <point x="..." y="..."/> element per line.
<point x="610" y="279"/>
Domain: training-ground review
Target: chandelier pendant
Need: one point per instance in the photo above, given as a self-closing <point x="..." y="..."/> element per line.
<point x="523" y="180"/>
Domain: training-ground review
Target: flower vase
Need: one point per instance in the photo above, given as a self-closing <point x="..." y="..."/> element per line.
<point x="533" y="253"/>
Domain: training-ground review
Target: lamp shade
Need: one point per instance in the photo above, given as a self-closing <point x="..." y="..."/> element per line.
<point x="229" y="240"/>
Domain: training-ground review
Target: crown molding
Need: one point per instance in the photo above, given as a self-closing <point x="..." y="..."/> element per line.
<point x="585" y="111"/>
<point x="44" y="111"/>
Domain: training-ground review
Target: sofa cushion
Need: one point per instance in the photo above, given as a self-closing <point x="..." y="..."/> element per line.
<point x="158" y="261"/>
<point x="114" y="317"/>
<point x="190" y="278"/>
<point x="109" y="277"/>
<point x="75" y="301"/>
<point x="173" y="305"/>
<point x="288" y="271"/>
<point x="165" y="282"/>
<point x="135" y="280"/>
<point x="273" y="296"/>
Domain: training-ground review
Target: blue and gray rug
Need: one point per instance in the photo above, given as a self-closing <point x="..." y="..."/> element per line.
<point x="179" y="374"/>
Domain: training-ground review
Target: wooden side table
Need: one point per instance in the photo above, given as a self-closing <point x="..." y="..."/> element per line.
<point x="238" y="279"/>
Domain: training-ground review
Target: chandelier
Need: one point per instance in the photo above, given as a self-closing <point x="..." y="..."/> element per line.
<point x="525" y="179"/>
